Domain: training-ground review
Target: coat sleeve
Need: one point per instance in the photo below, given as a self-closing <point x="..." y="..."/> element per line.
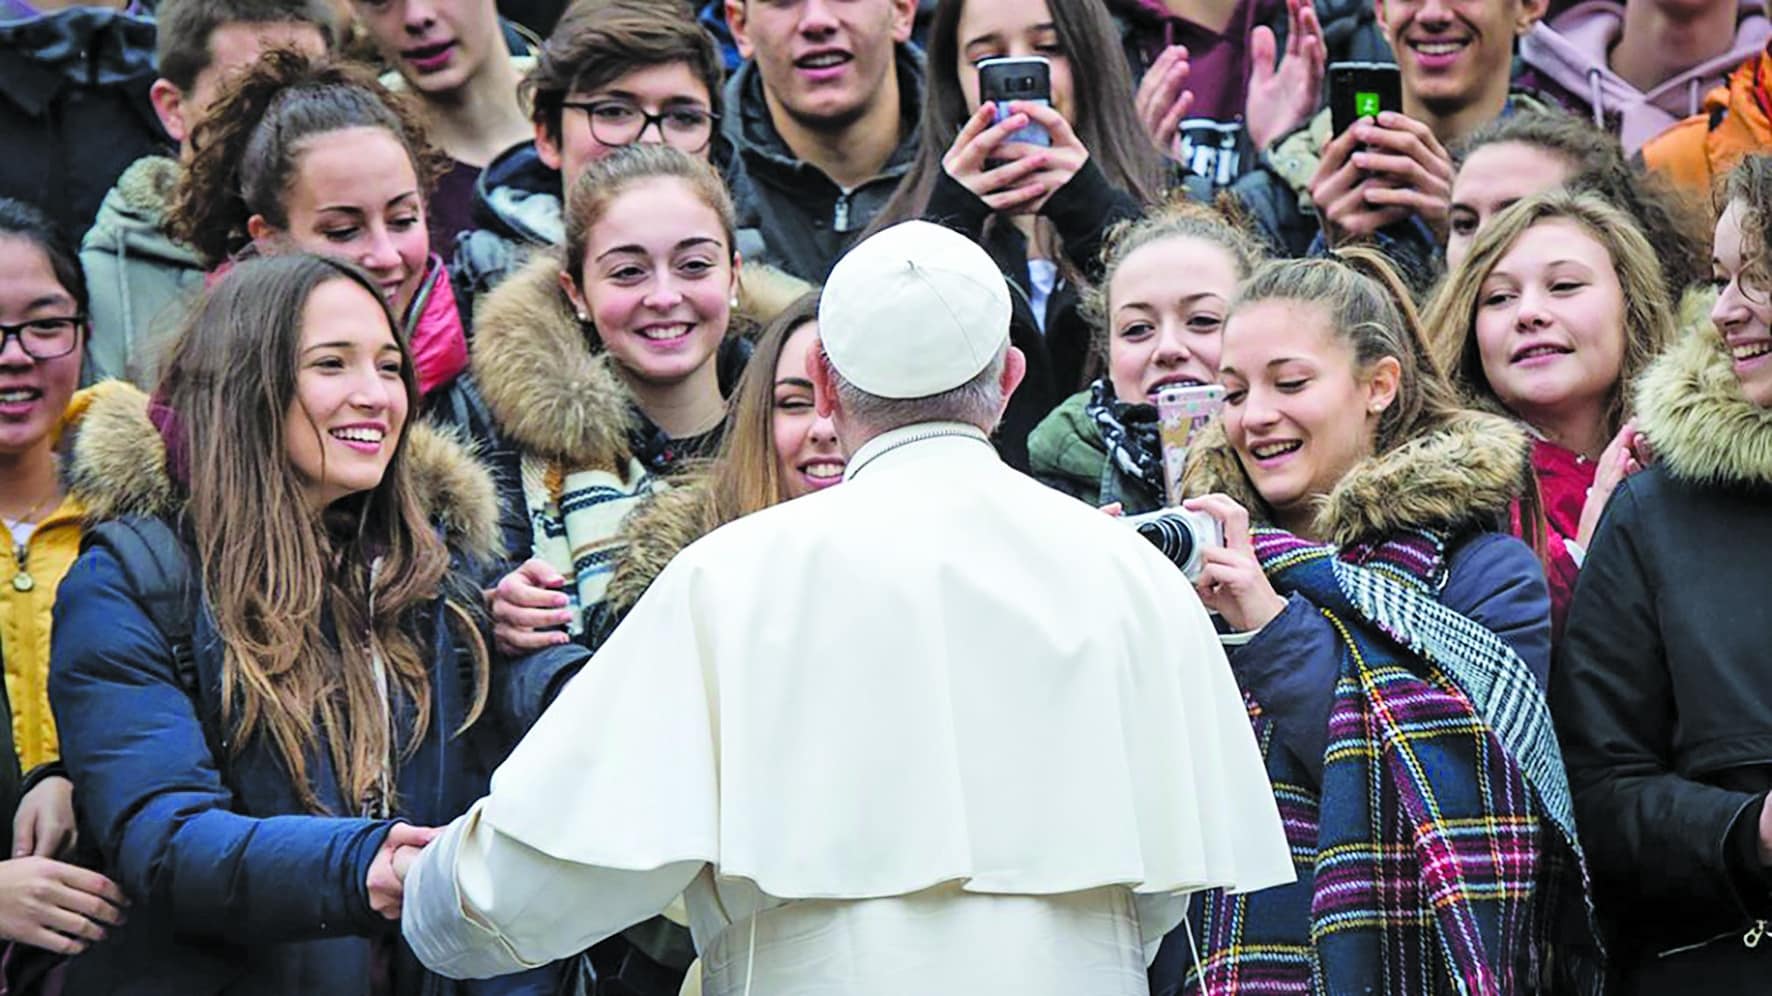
<point x="1652" y="835"/>
<point x="1084" y="210"/>
<point x="151" y="797"/>
<point x="1292" y="665"/>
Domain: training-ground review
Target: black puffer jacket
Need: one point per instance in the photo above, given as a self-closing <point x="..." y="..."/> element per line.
<point x="1662" y="694"/>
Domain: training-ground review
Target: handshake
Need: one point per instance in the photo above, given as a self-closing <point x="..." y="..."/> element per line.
<point x="387" y="873"/>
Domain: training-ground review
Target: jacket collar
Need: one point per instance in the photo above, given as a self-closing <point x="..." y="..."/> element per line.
<point x="1704" y="429"/>
<point x="76" y="47"/>
<point x="116" y="467"/>
<point x="1460" y="477"/>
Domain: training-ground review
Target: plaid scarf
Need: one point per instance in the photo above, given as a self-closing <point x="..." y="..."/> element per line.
<point x="1439" y="853"/>
<point x="1129" y="433"/>
<point x="575" y="519"/>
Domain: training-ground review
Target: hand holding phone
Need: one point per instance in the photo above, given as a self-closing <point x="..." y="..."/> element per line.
<point x="1380" y="169"/>
<point x="1003" y="81"/>
<point x="1363" y="90"/>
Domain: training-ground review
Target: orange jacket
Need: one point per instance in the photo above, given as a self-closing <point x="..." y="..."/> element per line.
<point x="1705" y="146"/>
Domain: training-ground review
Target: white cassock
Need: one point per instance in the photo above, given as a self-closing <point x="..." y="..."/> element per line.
<point x="938" y="730"/>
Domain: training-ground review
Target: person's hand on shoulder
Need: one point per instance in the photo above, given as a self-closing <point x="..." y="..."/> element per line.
<point x="1231" y="582"/>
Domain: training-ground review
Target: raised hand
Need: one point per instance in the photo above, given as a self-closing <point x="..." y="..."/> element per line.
<point x="970" y="160"/>
<point x="1281" y="97"/>
<point x="1163" y="98"/>
<point x="1624" y="456"/>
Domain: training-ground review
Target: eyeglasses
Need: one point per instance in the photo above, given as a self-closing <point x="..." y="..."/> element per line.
<point x="44" y="338"/>
<point x="617" y="122"/>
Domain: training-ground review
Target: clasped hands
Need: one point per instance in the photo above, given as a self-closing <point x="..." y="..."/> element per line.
<point x="393" y="862"/>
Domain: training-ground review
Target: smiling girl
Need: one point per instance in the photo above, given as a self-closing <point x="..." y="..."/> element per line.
<point x="248" y="781"/>
<point x="1551" y="316"/>
<point x="1660" y="690"/>
<point x="601" y="368"/>
<point x="318" y="157"/>
<point x="1376" y="604"/>
<point x="1167" y="281"/>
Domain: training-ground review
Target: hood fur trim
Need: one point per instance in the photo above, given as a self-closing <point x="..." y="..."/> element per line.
<point x="655" y="533"/>
<point x="550" y="394"/>
<point x="1703" y="428"/>
<point x="1461" y="477"/>
<point x="116" y="467"/>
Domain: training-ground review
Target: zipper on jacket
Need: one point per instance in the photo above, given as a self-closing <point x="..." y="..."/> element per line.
<point x="1752" y="938"/>
<point x="840" y="213"/>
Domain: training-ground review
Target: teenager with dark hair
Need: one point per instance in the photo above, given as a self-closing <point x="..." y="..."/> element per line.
<point x="268" y="657"/>
<point x="319" y="157"/>
<point x="141" y="277"/>
<point x="44" y="902"/>
<point x="1042" y="212"/>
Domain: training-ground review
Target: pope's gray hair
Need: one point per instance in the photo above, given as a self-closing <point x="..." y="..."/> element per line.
<point x="978" y="402"/>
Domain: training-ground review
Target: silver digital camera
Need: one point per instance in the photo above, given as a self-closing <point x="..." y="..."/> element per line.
<point x="1181" y="535"/>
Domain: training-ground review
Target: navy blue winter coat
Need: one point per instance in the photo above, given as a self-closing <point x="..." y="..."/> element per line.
<point x="235" y="887"/>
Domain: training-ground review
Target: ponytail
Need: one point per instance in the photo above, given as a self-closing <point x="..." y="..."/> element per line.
<point x="244" y="152"/>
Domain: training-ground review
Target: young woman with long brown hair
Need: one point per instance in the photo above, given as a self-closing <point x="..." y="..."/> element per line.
<point x="246" y="780"/>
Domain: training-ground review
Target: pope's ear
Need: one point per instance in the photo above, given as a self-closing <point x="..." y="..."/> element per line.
<point x="823" y="378"/>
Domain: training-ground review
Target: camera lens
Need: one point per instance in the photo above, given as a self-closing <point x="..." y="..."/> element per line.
<point x="1171" y="536"/>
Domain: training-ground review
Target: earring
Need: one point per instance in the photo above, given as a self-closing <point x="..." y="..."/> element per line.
<point x="583" y="318"/>
<point x="735" y="300"/>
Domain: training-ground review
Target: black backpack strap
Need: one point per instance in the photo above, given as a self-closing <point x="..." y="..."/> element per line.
<point x="158" y="567"/>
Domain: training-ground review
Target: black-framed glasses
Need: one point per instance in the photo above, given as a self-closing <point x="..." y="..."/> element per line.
<point x="617" y="122"/>
<point x="45" y="338"/>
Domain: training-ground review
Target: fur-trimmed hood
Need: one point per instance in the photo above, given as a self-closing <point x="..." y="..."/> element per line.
<point x="1460" y="477"/>
<point x="116" y="466"/>
<point x="655" y="533"/>
<point x="550" y="394"/>
<point x="1704" y="430"/>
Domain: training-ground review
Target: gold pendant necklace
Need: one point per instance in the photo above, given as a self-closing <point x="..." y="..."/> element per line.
<point x="21" y="551"/>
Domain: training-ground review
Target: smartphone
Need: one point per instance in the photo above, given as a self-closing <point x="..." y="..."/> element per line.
<point x="1003" y="80"/>
<point x="1361" y="90"/>
<point x="1181" y="413"/>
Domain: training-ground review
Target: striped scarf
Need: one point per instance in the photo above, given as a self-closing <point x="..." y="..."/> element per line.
<point x="1439" y="853"/>
<point x="575" y="519"/>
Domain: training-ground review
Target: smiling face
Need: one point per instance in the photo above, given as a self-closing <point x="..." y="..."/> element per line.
<point x="437" y="45"/>
<point x="1166" y="308"/>
<point x="1492" y="178"/>
<point x="1550" y="323"/>
<point x="808" y="457"/>
<point x="350" y="401"/>
<point x="1297" y="410"/>
<point x="33" y="393"/>
<point x="1453" y="54"/>
<point x="1743" y="312"/>
<point x="823" y="62"/>
<point x="660" y="89"/>
<point x="355" y="196"/>
<point x="1017" y="29"/>
<point x="658" y="281"/>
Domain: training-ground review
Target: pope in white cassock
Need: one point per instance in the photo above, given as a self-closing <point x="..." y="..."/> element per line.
<point x="939" y="730"/>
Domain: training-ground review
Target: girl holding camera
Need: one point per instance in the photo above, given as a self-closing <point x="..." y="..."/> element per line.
<point x="1391" y="644"/>
<point x="1041" y="211"/>
<point x="1660" y="690"/>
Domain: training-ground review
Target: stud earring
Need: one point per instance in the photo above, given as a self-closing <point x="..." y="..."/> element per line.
<point x="735" y="300"/>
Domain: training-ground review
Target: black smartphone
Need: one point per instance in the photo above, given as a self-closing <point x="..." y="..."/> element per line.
<point x="1003" y="80"/>
<point x="1361" y="90"/>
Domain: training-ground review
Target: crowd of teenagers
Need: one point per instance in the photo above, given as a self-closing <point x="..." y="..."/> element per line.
<point x="363" y="362"/>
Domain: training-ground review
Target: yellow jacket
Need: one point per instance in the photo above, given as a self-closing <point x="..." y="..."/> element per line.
<point x="25" y="615"/>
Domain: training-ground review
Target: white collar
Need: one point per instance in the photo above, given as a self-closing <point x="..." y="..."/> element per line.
<point x="909" y="435"/>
